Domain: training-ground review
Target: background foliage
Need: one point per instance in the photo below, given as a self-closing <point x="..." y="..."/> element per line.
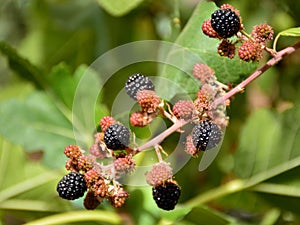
<point x="46" y="47"/>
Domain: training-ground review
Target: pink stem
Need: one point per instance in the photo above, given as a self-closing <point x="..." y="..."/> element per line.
<point x="158" y="139"/>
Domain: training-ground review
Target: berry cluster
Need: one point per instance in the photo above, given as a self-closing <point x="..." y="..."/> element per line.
<point x="225" y="23"/>
<point x="89" y="173"/>
<point x="98" y="180"/>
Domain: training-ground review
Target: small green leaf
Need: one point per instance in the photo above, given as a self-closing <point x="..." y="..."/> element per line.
<point x="62" y="84"/>
<point x="291" y="32"/>
<point x="119" y="7"/>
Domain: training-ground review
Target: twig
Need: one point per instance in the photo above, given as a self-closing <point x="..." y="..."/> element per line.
<point x="256" y="74"/>
<point x="158" y="139"/>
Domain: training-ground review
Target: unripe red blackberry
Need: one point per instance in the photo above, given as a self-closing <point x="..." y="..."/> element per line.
<point x="71" y="186"/>
<point x="226" y="49"/>
<point x="225" y="22"/>
<point x="201" y="104"/>
<point x="91" y="177"/>
<point x="138" y="82"/>
<point x="250" y="51"/>
<point x="100" y="188"/>
<point x="183" y="109"/>
<point x="206" y="135"/>
<point x="117" y="137"/>
<point x="190" y="147"/>
<point x="166" y="195"/>
<point x="71" y="165"/>
<point x="86" y="163"/>
<point x="118" y="197"/>
<point x="140" y="119"/>
<point x="72" y="151"/>
<point x="105" y="122"/>
<point x="125" y="164"/>
<point x="204" y="73"/>
<point x="148" y="100"/>
<point x="208" y="30"/>
<point x="262" y="33"/>
<point x="160" y="173"/>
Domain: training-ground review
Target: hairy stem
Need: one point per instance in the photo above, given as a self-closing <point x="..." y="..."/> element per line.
<point x="240" y="87"/>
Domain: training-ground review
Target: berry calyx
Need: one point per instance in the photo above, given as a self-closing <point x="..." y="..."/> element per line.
<point x="90" y="201"/>
<point x="71" y="186"/>
<point x="225" y="22"/>
<point x="117" y="137"/>
<point x="226" y="49"/>
<point x="138" y="82"/>
<point x="206" y="135"/>
<point x="166" y="195"/>
<point x="148" y="100"/>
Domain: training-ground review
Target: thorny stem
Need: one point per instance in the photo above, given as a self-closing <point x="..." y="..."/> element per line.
<point x="240" y="87"/>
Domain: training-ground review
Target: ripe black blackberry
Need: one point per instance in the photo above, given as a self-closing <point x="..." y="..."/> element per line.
<point x="166" y="195"/>
<point x="117" y="137"/>
<point x="225" y="22"/>
<point x="138" y="82"/>
<point x="206" y="135"/>
<point x="71" y="186"/>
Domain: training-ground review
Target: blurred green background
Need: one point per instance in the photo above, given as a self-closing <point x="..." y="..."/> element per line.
<point x="47" y="46"/>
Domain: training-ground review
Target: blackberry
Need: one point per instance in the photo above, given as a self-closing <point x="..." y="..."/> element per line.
<point x="225" y="22"/>
<point x="166" y="195"/>
<point x="206" y="135"/>
<point x="116" y="137"/>
<point x="71" y="186"/>
<point x="138" y="82"/>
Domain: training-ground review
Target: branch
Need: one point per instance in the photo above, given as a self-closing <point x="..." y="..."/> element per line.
<point x="239" y="88"/>
<point x="158" y="139"/>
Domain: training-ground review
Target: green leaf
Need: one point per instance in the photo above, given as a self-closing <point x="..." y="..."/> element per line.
<point x="258" y="147"/>
<point x="26" y="185"/>
<point x="37" y="124"/>
<point x="268" y="142"/>
<point x="119" y="7"/>
<point x="62" y="84"/>
<point x="291" y="32"/>
<point x="191" y="47"/>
